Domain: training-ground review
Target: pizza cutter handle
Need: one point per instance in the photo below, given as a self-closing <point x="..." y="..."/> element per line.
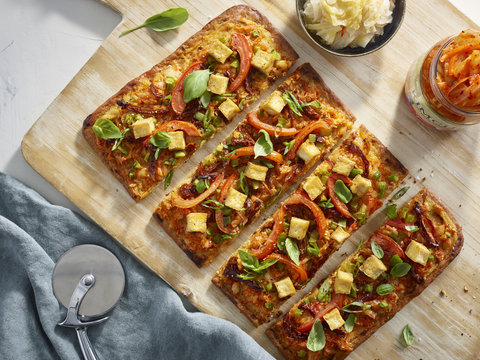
<point x="87" y="349"/>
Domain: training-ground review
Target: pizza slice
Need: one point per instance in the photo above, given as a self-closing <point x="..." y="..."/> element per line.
<point x="158" y="120"/>
<point x="299" y="123"/>
<point x="290" y="247"/>
<point x="370" y="286"/>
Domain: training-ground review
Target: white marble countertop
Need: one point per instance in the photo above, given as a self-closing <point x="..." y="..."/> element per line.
<point x="43" y="44"/>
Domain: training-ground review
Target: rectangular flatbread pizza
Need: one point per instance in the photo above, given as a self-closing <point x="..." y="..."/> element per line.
<point x="158" y="120"/>
<point x="290" y="247"/>
<point x="395" y="265"/>
<point x="298" y="124"/>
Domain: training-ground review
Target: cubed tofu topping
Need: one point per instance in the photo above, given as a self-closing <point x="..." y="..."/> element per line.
<point x="274" y="104"/>
<point x="229" y="109"/>
<point x="343" y="166"/>
<point x="235" y="199"/>
<point x="339" y="235"/>
<point x="143" y="127"/>
<point x="343" y="282"/>
<point x="334" y="319"/>
<point x="197" y="222"/>
<point x="219" y="51"/>
<point x="263" y="61"/>
<point x="313" y="186"/>
<point x="373" y="267"/>
<point x="307" y="151"/>
<point x="177" y="140"/>
<point x="360" y="185"/>
<point x="285" y="287"/>
<point x="417" y="252"/>
<point x="217" y="84"/>
<point x="256" y="172"/>
<point x="298" y="228"/>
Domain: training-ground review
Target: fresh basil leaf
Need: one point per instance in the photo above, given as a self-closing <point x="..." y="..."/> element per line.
<point x="195" y="84"/>
<point x="377" y="250"/>
<point x="363" y="307"/>
<point x="120" y="139"/>
<point x="342" y="191"/>
<point x="281" y="241"/>
<point x="168" y="179"/>
<point x="263" y="145"/>
<point x="351" y="320"/>
<point x="401" y="192"/>
<point x="106" y="129"/>
<point x="407" y="335"/>
<point x="161" y="140"/>
<point x="324" y="294"/>
<point x="411" y="228"/>
<point x="205" y="98"/>
<point x="316" y="338"/>
<point x="395" y="260"/>
<point x="214" y="205"/>
<point x="384" y="289"/>
<point x="326" y="204"/>
<point x="265" y="265"/>
<point x="249" y="261"/>
<point x="292" y="250"/>
<point x="167" y="20"/>
<point x="400" y="270"/>
<point x="392" y="211"/>
<point x="292" y="102"/>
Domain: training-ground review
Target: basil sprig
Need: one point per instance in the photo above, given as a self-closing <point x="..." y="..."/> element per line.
<point x="263" y="145"/>
<point x="400" y="269"/>
<point x="316" y="338"/>
<point x="292" y="250"/>
<point x="407" y="335"/>
<point x="351" y="320"/>
<point x="384" y="289"/>
<point x="377" y="250"/>
<point x="253" y="266"/>
<point x="342" y="191"/>
<point x="392" y="211"/>
<point x="167" y="20"/>
<point x="106" y="129"/>
<point x="195" y="84"/>
<point x="363" y="307"/>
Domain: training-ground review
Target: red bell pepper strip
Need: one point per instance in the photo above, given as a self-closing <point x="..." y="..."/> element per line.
<point x="242" y="46"/>
<point x="221" y="199"/>
<point x="301" y="198"/>
<point x="186" y="204"/>
<point x="178" y="104"/>
<point x="320" y="310"/>
<point x="299" y="270"/>
<point x="253" y="120"/>
<point x="271" y="242"/>
<point x="317" y="125"/>
<point x="188" y="128"/>
<point x="248" y="151"/>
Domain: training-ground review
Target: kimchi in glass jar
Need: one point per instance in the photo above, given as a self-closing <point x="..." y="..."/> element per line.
<point x="443" y="87"/>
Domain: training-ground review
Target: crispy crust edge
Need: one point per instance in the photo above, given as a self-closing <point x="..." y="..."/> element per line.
<point x="234" y="12"/>
<point x="419" y="288"/>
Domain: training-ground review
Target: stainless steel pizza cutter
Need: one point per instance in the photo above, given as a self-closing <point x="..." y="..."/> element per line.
<point x="88" y="280"/>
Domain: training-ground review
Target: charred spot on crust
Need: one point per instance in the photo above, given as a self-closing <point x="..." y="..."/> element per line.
<point x="87" y="122"/>
<point x="121" y="103"/>
<point x="159" y="218"/>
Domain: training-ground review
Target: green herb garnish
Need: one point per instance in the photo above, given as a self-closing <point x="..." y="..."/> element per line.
<point x="400" y="269"/>
<point x="168" y="179"/>
<point x="377" y="250"/>
<point x="363" y="307"/>
<point x="292" y="250"/>
<point x="316" y="338"/>
<point x="343" y="192"/>
<point x="384" y="289"/>
<point x="392" y="211"/>
<point x="195" y="84"/>
<point x="324" y="294"/>
<point x="167" y="20"/>
<point x="349" y="324"/>
<point x="106" y="129"/>
<point x="407" y="335"/>
<point x="263" y="145"/>
<point x="161" y="140"/>
<point x="401" y="192"/>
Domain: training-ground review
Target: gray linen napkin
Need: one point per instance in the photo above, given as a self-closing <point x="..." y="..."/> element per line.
<point x="149" y="322"/>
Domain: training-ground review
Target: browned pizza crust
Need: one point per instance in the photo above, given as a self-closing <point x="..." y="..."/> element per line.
<point x="235" y="13"/>
<point x="277" y="332"/>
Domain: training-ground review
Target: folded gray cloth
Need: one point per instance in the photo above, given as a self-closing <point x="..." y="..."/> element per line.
<point x="149" y="322"/>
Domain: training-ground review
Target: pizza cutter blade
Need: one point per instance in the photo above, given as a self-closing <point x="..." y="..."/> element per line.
<point x="88" y="280"/>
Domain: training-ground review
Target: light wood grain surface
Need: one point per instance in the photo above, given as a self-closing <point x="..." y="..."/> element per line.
<point x="371" y="86"/>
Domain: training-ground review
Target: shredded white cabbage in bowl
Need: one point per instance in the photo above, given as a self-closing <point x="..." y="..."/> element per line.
<point x="342" y="23"/>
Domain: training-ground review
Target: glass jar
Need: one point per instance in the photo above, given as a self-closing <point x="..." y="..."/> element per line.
<point x="425" y="98"/>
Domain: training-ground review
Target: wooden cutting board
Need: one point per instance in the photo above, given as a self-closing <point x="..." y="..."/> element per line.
<point x="371" y="86"/>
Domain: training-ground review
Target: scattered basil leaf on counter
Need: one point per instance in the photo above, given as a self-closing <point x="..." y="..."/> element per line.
<point x="363" y="307"/>
<point x="411" y="228"/>
<point x="351" y="320"/>
<point x="342" y="191"/>
<point x="407" y="335"/>
<point x="401" y="192"/>
<point x="400" y="270"/>
<point x="377" y="250"/>
<point x="292" y="250"/>
<point x="161" y="140"/>
<point x="106" y="129"/>
<point x="324" y="294"/>
<point x="384" y="289"/>
<point x="392" y="211"/>
<point x="168" y="179"/>
<point x="167" y="20"/>
<point x="263" y="145"/>
<point x="316" y="338"/>
<point x="195" y="84"/>
<point x="395" y="260"/>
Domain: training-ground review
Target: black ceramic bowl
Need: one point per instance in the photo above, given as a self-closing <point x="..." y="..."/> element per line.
<point x="378" y="42"/>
